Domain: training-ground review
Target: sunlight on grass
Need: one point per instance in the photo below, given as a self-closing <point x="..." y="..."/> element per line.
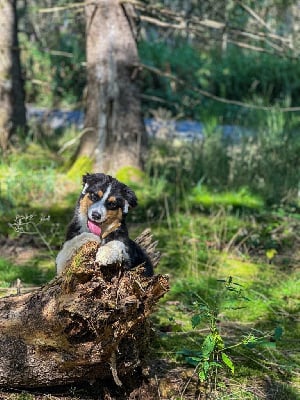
<point x="242" y="269"/>
<point x="241" y="198"/>
<point x="38" y="272"/>
<point x="129" y="175"/>
<point x="27" y="179"/>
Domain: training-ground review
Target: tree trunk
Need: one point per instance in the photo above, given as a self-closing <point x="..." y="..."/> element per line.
<point x="89" y="324"/>
<point x="114" y="132"/>
<point x="12" y="106"/>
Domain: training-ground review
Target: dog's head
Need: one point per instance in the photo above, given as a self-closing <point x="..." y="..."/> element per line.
<point x="104" y="202"/>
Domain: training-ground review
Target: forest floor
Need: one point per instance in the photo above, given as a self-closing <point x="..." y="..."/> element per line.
<point x="169" y="375"/>
<point x="234" y="275"/>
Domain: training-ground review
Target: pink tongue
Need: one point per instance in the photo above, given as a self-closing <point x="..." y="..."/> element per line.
<point x="94" y="228"/>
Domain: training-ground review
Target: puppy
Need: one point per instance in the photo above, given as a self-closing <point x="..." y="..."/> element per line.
<point x="100" y="216"/>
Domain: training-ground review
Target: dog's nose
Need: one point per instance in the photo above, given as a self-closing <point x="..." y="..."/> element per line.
<point x="96" y="215"/>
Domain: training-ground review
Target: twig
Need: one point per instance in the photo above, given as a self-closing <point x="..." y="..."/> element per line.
<point x="232" y="240"/>
<point x="113" y="367"/>
<point x="163" y="24"/>
<point x="24" y="289"/>
<point x="260" y="35"/>
<point x="188" y="382"/>
<point x="61" y="8"/>
<point x="60" y="53"/>
<point x="73" y="140"/>
<point x="154" y="98"/>
<point x="247" y="46"/>
<point x="158" y="390"/>
<point x="18" y="286"/>
<point x="167" y="212"/>
<point x="253" y="14"/>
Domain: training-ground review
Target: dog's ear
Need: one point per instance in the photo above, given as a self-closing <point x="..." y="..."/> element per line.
<point x="130" y="197"/>
<point x="90" y="179"/>
<point x="85" y="179"/>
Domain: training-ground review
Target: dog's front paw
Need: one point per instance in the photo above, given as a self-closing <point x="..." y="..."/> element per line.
<point x="112" y="252"/>
<point x="70" y="247"/>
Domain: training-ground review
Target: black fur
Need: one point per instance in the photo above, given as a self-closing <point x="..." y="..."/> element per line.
<point x="94" y="183"/>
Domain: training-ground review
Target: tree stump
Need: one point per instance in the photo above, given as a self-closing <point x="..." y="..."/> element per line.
<point x="91" y="323"/>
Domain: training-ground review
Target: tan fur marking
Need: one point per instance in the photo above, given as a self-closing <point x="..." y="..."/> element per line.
<point x="100" y="194"/>
<point x="112" y="198"/>
<point x="84" y="204"/>
<point x="112" y="222"/>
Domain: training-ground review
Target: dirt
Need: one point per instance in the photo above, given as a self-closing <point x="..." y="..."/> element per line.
<point x="165" y="381"/>
<point x="161" y="381"/>
<point x="20" y="250"/>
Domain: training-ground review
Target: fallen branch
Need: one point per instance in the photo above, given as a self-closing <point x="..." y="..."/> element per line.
<point x="89" y="324"/>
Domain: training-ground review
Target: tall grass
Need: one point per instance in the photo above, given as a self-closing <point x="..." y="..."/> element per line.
<point x="264" y="164"/>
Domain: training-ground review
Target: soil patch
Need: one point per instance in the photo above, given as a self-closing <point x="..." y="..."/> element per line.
<point x="20" y="250"/>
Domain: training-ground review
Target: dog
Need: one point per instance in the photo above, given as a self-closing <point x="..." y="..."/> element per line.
<point x="100" y="215"/>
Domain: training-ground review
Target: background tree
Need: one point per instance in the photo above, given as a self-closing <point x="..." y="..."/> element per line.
<point x="12" y="107"/>
<point x="114" y="133"/>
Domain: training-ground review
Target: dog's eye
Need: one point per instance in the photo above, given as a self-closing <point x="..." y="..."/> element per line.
<point x="112" y="205"/>
<point x="94" y="196"/>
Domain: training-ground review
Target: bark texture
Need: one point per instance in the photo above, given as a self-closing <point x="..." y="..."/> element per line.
<point x="89" y="324"/>
<point x="114" y="132"/>
<point x="12" y="98"/>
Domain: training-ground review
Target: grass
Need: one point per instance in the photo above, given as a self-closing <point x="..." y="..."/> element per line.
<point x="204" y="198"/>
<point x="199" y="251"/>
<point x="35" y="273"/>
<point x="205" y="237"/>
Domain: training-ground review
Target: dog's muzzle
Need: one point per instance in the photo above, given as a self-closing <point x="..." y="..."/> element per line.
<point x="96" y="216"/>
<point x="97" y="212"/>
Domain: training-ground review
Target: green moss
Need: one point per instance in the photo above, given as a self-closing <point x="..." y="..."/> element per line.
<point x="81" y="166"/>
<point x="21" y="396"/>
<point x="76" y="262"/>
<point x="130" y="174"/>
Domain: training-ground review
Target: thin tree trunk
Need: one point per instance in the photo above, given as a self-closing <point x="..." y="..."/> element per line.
<point x="114" y="132"/>
<point x="12" y="106"/>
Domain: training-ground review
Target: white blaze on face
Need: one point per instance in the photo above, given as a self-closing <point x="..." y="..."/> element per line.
<point x="85" y="188"/>
<point x="100" y="207"/>
<point x="126" y="207"/>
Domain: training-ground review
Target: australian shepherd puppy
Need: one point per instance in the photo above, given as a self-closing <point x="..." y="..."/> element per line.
<point x="100" y="216"/>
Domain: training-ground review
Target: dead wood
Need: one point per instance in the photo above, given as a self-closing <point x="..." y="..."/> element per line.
<point x="90" y="323"/>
